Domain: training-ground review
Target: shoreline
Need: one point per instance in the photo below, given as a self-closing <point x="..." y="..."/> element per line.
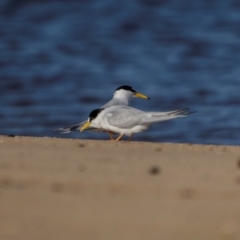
<point x="54" y="188"/>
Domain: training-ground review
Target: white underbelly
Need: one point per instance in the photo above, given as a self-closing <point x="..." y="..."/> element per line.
<point x="128" y="132"/>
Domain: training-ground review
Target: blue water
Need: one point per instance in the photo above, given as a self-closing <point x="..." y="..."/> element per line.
<point x="61" y="59"/>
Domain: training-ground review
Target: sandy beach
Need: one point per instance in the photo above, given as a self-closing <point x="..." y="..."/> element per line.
<point x="84" y="189"/>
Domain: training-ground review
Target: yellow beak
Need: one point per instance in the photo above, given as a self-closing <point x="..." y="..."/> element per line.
<point x="85" y="126"/>
<point x="140" y="95"/>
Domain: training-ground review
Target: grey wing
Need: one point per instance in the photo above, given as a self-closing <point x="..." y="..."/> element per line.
<point x="77" y="127"/>
<point x="125" y="117"/>
<point x="72" y="128"/>
<point x="164" y="116"/>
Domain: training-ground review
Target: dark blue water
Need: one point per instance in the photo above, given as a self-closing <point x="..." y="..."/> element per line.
<point x="61" y="59"/>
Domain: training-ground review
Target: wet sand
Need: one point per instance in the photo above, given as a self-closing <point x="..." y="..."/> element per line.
<point x="83" y="189"/>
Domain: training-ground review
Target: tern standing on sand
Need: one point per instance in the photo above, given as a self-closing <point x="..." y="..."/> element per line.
<point x="127" y="120"/>
<point x="122" y="96"/>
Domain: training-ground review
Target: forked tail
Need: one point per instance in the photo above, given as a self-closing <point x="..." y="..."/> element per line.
<point x="72" y="128"/>
<point x="164" y="116"/>
<point x="181" y="112"/>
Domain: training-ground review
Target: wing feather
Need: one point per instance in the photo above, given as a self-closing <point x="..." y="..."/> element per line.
<point x="163" y="116"/>
<point x="125" y="117"/>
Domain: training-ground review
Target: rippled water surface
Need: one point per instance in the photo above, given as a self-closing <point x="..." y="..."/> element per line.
<point x="61" y="59"/>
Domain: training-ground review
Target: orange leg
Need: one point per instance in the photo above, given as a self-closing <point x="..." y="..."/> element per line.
<point x="130" y="139"/>
<point x="119" y="137"/>
<point x="111" y="135"/>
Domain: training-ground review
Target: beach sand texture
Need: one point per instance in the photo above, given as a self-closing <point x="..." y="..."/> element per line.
<point x="84" y="189"/>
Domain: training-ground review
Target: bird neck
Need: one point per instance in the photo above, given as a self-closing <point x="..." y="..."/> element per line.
<point x="123" y="98"/>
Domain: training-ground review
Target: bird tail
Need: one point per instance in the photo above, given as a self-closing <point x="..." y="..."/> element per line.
<point x="72" y="128"/>
<point x="181" y="112"/>
<point x="163" y="116"/>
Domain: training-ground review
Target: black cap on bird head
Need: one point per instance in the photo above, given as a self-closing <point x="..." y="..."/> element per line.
<point x="133" y="91"/>
<point x="126" y="87"/>
<point x="93" y="114"/>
